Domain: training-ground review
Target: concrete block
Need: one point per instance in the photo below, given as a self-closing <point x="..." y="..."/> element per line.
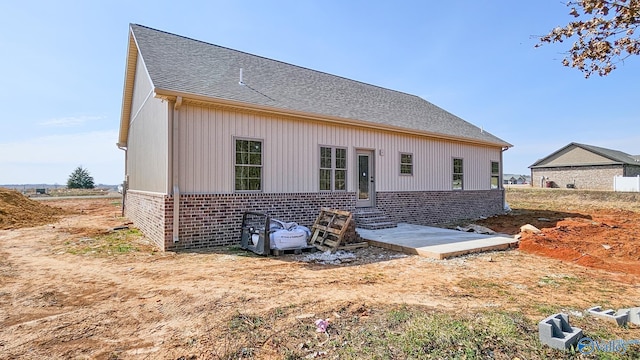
<point x="632" y="313"/>
<point x="619" y="318"/>
<point x="556" y="332"/>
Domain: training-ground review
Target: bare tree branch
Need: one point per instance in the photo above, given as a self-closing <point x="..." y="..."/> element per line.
<point x="604" y="34"/>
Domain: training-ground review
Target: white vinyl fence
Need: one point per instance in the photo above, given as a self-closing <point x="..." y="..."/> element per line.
<point x="627" y="184"/>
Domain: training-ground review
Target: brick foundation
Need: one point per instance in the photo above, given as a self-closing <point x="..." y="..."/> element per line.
<point x="147" y="211"/>
<point x="437" y="207"/>
<point x="210" y="220"/>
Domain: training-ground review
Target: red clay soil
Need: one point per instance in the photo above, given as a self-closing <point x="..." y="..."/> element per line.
<point x="18" y="211"/>
<point x="603" y="239"/>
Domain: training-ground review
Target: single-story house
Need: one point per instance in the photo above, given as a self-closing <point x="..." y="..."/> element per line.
<point x="583" y="167"/>
<point x="509" y="179"/>
<point x="210" y="132"/>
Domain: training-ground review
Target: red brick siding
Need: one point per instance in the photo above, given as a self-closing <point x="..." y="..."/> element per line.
<point x="437" y="207"/>
<point x="209" y="220"/>
<point x="147" y="211"/>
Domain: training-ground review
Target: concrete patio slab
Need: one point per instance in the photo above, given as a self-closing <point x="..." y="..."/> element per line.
<point x="434" y="242"/>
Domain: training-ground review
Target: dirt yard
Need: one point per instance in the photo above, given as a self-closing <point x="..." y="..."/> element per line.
<point x="588" y="229"/>
<point x="74" y="289"/>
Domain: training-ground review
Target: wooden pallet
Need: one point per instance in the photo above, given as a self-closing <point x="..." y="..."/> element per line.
<point x="329" y="228"/>
<point x="296" y="251"/>
<point x="353" y="246"/>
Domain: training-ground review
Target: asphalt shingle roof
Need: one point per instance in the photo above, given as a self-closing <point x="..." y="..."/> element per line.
<point x="613" y="155"/>
<point x="177" y="63"/>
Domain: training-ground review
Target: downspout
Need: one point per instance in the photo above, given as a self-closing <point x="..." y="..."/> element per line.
<point x="125" y="184"/>
<point x="174" y="169"/>
<point x="501" y="181"/>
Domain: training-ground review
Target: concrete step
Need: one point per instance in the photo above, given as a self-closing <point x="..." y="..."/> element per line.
<point x="369" y="214"/>
<point x="367" y="211"/>
<point x="373" y="219"/>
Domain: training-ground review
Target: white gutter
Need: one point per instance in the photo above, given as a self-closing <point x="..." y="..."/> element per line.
<point x="126" y="181"/>
<point x="501" y="181"/>
<point x="174" y="169"/>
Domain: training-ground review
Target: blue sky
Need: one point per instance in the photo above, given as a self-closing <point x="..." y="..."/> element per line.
<point x="62" y="71"/>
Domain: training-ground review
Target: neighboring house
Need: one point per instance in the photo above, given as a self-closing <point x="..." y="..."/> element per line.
<point x="522" y="180"/>
<point x="510" y="179"/>
<point x="583" y="167"/>
<point x="210" y="132"/>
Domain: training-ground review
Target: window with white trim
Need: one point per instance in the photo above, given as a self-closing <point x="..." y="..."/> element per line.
<point x="406" y="164"/>
<point x="495" y="175"/>
<point x="248" y="165"/>
<point x="458" y="174"/>
<point x="333" y="168"/>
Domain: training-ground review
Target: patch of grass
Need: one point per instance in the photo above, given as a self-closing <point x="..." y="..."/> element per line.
<point x="546" y="309"/>
<point x="278" y="312"/>
<point x="537" y="198"/>
<point x="398" y="332"/>
<point x="238" y="251"/>
<point x="371" y="278"/>
<point x="243" y="322"/>
<point x="572" y="279"/>
<point x="475" y="283"/>
<point x="546" y="280"/>
<point x="399" y="316"/>
<point x="416" y="334"/>
<point x="560" y="280"/>
<point x="601" y="334"/>
<point x="113" y="243"/>
<point x="77" y="192"/>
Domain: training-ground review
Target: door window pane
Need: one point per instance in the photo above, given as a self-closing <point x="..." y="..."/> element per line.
<point x="363" y="177"/>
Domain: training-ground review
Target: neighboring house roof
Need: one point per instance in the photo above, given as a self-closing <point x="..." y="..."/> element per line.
<point x="185" y="67"/>
<point x="515" y="176"/>
<point x="615" y="156"/>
